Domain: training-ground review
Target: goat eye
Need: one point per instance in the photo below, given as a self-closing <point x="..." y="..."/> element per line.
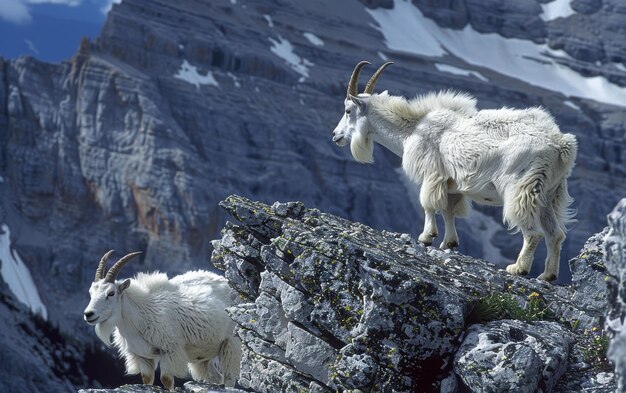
<point x="110" y="294"/>
<point x="347" y="111"/>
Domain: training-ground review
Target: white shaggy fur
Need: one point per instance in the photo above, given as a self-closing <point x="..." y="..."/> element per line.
<point x="180" y="324"/>
<point x="517" y="159"/>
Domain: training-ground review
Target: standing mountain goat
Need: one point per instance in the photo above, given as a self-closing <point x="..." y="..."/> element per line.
<point x="179" y="323"/>
<point x="517" y="159"/>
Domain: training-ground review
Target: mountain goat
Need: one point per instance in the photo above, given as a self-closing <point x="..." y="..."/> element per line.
<point x="517" y="159"/>
<point x="180" y="323"/>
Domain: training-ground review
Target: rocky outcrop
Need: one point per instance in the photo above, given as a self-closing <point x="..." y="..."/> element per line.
<point x="329" y="304"/>
<point x="188" y="387"/>
<point x="615" y="260"/>
<point x="510" y="355"/>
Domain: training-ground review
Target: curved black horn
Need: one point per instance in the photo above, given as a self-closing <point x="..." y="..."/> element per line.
<point x="369" y="88"/>
<point x="354" y="79"/>
<point x="101" y="266"/>
<point x="114" y="271"/>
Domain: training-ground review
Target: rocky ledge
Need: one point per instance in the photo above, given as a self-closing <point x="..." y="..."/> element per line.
<point x="325" y="304"/>
<point x="188" y="387"/>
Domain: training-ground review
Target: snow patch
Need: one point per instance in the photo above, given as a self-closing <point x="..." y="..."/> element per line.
<point x="17" y="276"/>
<point x="556" y="9"/>
<point x="620" y="66"/>
<point x="459" y="71"/>
<point x="313" y="39"/>
<point x="571" y="105"/>
<point x="268" y="18"/>
<point x="283" y="49"/>
<point x="235" y="79"/>
<point x="406" y="29"/>
<point x="190" y="74"/>
<point x="1" y="179"/>
<point x="383" y="56"/>
<point x="233" y="2"/>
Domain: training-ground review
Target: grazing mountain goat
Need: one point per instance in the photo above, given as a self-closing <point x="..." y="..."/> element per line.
<point x="179" y="323"/>
<point x="517" y="159"/>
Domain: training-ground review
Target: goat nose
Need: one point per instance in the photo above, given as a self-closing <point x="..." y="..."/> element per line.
<point x="88" y="314"/>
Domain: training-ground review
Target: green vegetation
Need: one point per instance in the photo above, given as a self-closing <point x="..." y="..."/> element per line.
<point x="506" y="306"/>
<point x="594" y="346"/>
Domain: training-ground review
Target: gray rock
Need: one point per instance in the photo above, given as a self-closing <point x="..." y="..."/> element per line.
<point x="615" y="260"/>
<point x="188" y="387"/>
<point x="509" y="355"/>
<point x="310" y="354"/>
<point x="343" y="306"/>
<point x="586" y="6"/>
<point x="589" y="275"/>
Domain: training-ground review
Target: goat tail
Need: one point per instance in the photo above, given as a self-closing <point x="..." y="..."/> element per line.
<point x="561" y="204"/>
<point x="568" y="150"/>
<point x="523" y="201"/>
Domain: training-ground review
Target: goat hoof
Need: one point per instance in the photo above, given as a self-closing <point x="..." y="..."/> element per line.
<point x="452" y="245"/>
<point x="147" y="379"/>
<point x="515" y="270"/>
<point x="547" y="277"/>
<point x="427" y="240"/>
<point x="168" y="382"/>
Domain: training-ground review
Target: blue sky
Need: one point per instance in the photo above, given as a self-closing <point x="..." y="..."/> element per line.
<point x="49" y="29"/>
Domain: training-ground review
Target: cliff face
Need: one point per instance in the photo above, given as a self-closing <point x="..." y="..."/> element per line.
<point x="131" y="144"/>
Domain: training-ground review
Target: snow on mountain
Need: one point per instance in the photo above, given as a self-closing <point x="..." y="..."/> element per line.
<point x="17" y="276"/>
<point x="190" y="74"/>
<point x="459" y="71"/>
<point x="556" y="9"/>
<point x="313" y="39"/>
<point x="406" y="29"/>
<point x="284" y="49"/>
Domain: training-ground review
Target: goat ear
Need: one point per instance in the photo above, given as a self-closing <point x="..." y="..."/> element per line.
<point x="359" y="102"/>
<point x="123" y="285"/>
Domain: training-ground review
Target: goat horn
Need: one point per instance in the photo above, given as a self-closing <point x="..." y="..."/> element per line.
<point x="354" y="79"/>
<point x="101" y="265"/>
<point x="369" y="88"/>
<point x="114" y="271"/>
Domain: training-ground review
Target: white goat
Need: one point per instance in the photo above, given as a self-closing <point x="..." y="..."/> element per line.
<point x="180" y="324"/>
<point x="513" y="158"/>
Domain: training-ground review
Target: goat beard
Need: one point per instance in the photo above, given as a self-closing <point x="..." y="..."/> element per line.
<point x="362" y="148"/>
<point x="104" y="331"/>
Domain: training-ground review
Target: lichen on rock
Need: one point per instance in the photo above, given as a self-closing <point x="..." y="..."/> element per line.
<point x="327" y="304"/>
